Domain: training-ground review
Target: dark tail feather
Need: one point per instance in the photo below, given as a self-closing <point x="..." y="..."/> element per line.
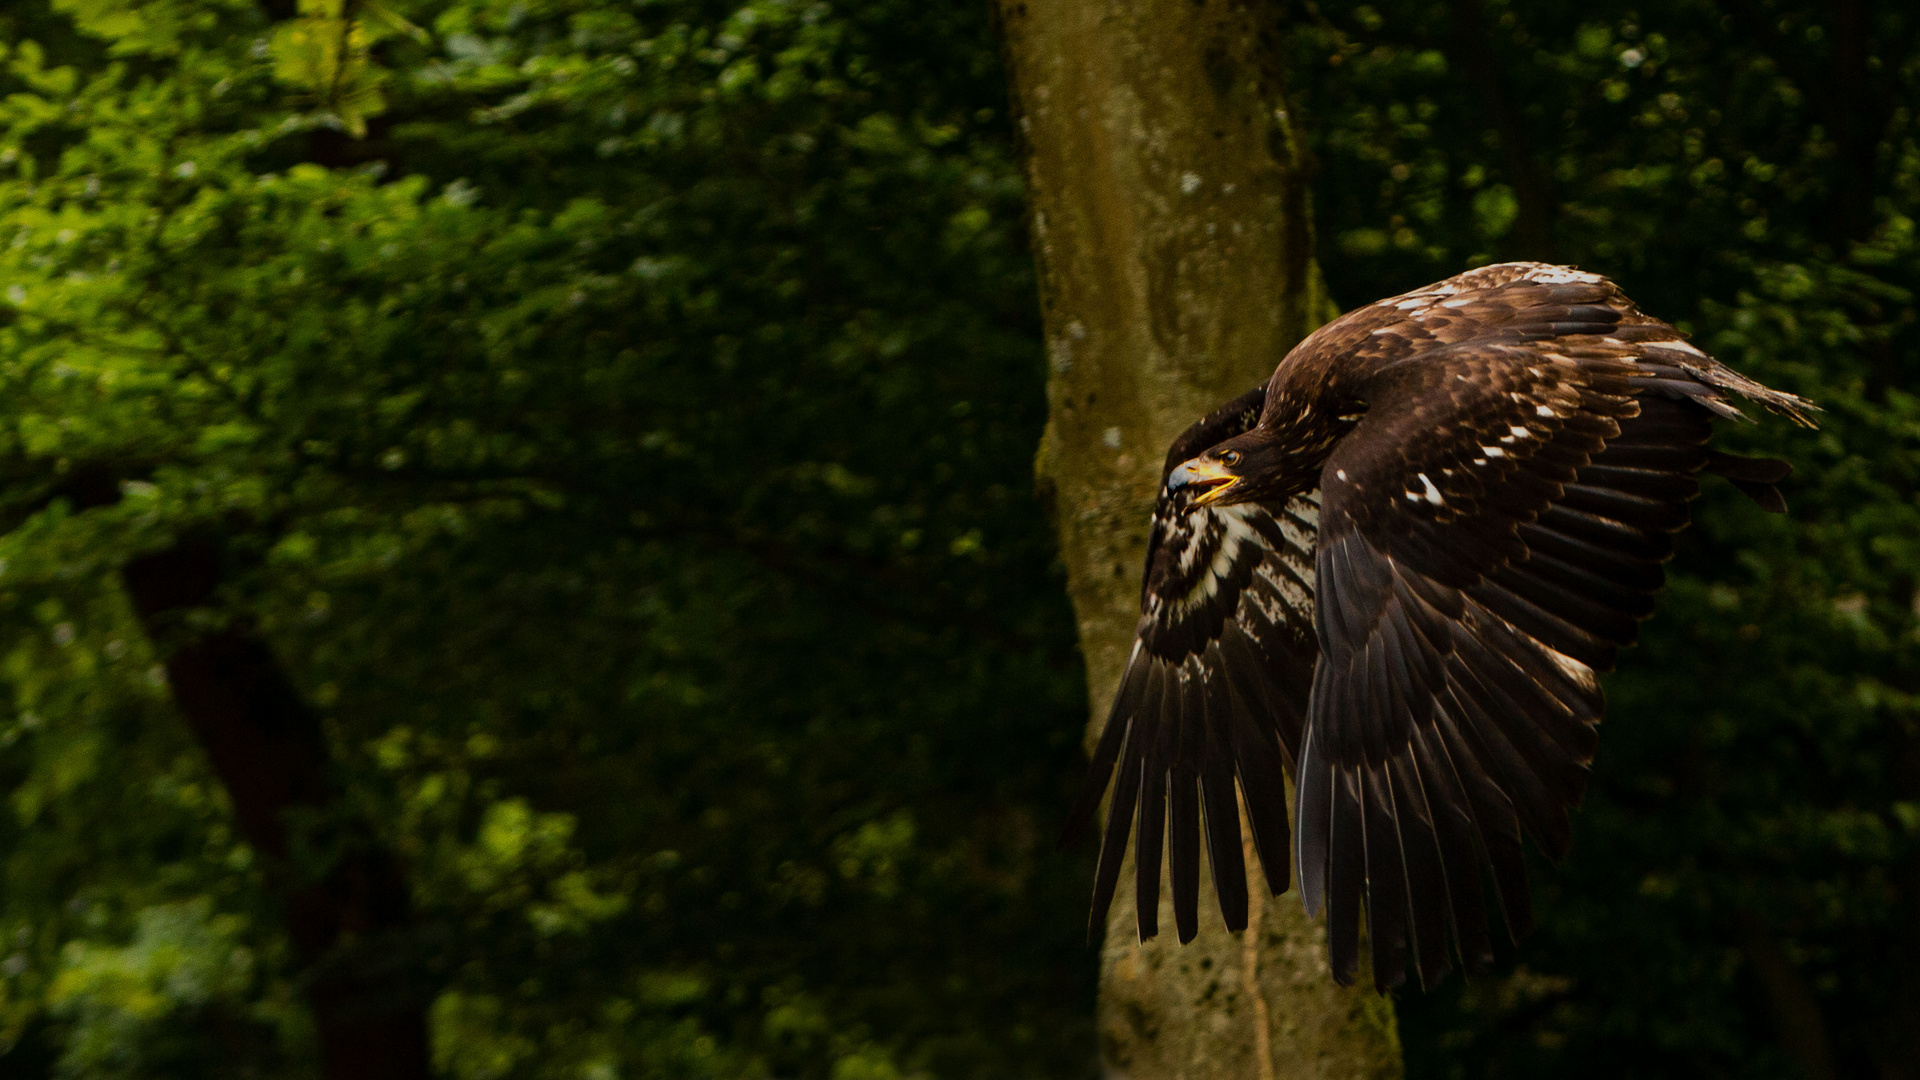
<point x="1133" y="688"/>
<point x="1753" y="475"/>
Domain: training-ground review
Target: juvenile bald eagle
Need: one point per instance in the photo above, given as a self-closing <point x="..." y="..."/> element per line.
<point x="1393" y="573"/>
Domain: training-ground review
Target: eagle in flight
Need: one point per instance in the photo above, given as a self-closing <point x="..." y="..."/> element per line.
<point x="1394" y="574"/>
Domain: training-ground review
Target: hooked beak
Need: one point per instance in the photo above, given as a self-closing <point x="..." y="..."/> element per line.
<point x="1205" y="480"/>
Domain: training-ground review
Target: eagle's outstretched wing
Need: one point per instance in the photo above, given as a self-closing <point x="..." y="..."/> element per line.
<point x="1216" y="687"/>
<point x="1492" y="532"/>
<point x="1483" y="542"/>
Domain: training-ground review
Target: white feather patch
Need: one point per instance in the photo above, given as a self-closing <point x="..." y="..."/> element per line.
<point x="1560" y="275"/>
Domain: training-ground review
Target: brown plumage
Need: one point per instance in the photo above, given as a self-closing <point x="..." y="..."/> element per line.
<point x="1393" y="574"/>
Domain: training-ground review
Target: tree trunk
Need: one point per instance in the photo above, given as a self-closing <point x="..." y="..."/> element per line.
<point x="1171" y="228"/>
<point x="345" y="917"/>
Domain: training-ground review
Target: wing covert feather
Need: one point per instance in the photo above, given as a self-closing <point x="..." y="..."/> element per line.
<point x="1457" y="694"/>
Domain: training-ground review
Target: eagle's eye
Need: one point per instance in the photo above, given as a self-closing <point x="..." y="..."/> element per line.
<point x="1230" y="458"/>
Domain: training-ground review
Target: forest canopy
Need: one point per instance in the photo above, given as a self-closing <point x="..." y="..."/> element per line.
<point x="613" y="423"/>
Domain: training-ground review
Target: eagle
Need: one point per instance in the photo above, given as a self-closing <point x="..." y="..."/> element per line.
<point x="1393" y="575"/>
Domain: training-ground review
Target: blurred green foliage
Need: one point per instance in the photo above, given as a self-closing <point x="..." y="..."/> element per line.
<point x="626" y="412"/>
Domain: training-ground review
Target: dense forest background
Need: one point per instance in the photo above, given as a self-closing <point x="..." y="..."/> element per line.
<point x="605" y="431"/>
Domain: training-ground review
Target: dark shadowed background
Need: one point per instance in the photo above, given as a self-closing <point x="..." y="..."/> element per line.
<point x="610" y="426"/>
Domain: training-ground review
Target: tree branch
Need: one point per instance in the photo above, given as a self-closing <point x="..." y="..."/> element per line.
<point x="345" y="918"/>
<point x="1532" y="188"/>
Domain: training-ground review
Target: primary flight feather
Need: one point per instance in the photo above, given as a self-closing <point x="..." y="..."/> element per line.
<point x="1393" y="574"/>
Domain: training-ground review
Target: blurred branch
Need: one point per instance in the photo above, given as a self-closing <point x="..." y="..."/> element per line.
<point x="270" y="754"/>
<point x="841" y="575"/>
<point x="1801" y="1027"/>
<point x="1533" y="227"/>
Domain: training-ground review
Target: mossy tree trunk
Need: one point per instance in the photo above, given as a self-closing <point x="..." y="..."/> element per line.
<point x="1171" y="229"/>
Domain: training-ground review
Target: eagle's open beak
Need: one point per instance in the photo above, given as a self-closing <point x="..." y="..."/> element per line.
<point x="1206" y="480"/>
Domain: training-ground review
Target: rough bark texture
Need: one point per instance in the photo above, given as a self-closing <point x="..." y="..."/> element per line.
<point x="1171" y="230"/>
<point x="271" y="755"/>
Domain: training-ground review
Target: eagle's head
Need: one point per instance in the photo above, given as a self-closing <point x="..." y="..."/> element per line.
<point x="1246" y="468"/>
<point x="1265" y="464"/>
